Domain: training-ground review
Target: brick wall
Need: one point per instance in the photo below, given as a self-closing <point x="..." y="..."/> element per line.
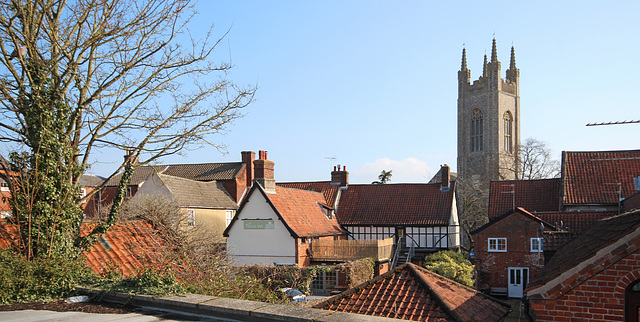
<point x="600" y="298"/>
<point x="492" y="267"/>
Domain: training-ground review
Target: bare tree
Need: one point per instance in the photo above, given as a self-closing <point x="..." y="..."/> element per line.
<point x="533" y="161"/>
<point x="117" y="75"/>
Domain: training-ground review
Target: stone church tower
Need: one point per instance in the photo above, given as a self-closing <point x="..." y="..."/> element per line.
<point x="488" y="121"/>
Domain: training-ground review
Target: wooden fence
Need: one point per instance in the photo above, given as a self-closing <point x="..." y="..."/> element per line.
<point x="345" y="250"/>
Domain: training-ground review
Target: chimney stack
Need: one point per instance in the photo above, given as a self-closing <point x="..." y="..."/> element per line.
<point x="339" y="177"/>
<point x="247" y="160"/>
<point x="264" y="172"/>
<point x="128" y="156"/>
<point x="446" y="178"/>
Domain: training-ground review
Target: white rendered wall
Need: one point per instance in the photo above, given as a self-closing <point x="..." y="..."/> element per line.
<point x="260" y="246"/>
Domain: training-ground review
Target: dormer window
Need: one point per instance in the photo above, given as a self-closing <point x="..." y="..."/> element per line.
<point x="326" y="211"/>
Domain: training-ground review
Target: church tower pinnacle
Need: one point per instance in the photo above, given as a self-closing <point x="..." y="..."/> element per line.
<point x="488" y="121"/>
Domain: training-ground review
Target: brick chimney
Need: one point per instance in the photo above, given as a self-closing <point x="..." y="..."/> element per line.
<point x="445" y="177"/>
<point x="264" y="172"/>
<point x="129" y="156"/>
<point x="339" y="177"/>
<point x="247" y="160"/>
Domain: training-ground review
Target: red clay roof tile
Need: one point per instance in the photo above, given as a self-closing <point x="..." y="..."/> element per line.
<point x="532" y="195"/>
<point x="414" y="293"/>
<point x="329" y="190"/>
<point x="593" y="177"/>
<point x="395" y="204"/>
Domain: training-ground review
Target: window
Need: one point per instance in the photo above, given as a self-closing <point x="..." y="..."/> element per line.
<point x="191" y="217"/>
<point x="536" y="245"/>
<point x="508" y="132"/>
<point x="497" y="244"/>
<point x="4" y="214"/>
<point x="228" y="216"/>
<point x="5" y="185"/>
<point x="477" y="119"/>
<point x="83" y="193"/>
<point x="428" y="237"/>
<point x="357" y="232"/>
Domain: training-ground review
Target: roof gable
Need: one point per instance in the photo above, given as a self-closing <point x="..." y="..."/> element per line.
<point x="411" y="292"/>
<point x="518" y="211"/>
<point x="395" y="204"/>
<point x="301" y="211"/>
<point x="598" y="247"/>
<point x="533" y="195"/>
<point x="593" y="177"/>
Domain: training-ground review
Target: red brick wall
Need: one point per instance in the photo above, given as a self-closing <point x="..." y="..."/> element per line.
<point x="600" y="298"/>
<point x="492" y="267"/>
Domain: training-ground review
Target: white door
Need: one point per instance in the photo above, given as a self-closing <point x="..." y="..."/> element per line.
<point x="518" y="280"/>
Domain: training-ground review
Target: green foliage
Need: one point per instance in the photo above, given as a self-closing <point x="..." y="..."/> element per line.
<point x="43" y="195"/>
<point x="148" y="281"/>
<point x="384" y="177"/>
<point x="451" y="265"/>
<point x="38" y="280"/>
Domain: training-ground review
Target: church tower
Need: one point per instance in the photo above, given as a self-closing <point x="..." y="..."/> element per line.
<point x="488" y="121"/>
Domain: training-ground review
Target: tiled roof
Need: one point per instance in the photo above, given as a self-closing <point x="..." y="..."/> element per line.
<point x="584" y="248"/>
<point x="554" y="240"/>
<point x="325" y="187"/>
<point x="518" y="210"/>
<point x="533" y="195"/>
<point x="410" y="292"/>
<point x="632" y="202"/>
<point x="128" y="247"/>
<point x="592" y="177"/>
<point x="301" y="211"/>
<point x="89" y="180"/>
<point x="574" y="221"/>
<point x="197" y="194"/>
<point x="199" y="172"/>
<point x="395" y="204"/>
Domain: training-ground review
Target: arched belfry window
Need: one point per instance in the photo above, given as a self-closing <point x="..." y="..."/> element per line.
<point x="508" y="132"/>
<point x="477" y="119"/>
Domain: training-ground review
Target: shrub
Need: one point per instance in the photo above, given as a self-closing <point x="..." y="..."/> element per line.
<point x="39" y="279"/>
<point x="451" y="265"/>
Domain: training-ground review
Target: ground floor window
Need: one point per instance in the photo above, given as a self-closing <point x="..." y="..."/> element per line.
<point x="428" y="237"/>
<point x="324" y="282"/>
<point x="375" y="233"/>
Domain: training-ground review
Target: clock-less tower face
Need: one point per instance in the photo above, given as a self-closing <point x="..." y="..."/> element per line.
<point x="488" y="121"/>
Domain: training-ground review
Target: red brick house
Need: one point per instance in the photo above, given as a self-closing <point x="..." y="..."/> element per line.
<point x="410" y="292"/>
<point x="594" y="277"/>
<point x="509" y="252"/>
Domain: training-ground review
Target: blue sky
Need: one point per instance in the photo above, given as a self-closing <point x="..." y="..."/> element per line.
<point x="374" y="84"/>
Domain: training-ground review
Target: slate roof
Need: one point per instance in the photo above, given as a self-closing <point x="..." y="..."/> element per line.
<point x="89" y="180"/>
<point x="592" y="177"/>
<point x="395" y="204"/>
<point x="411" y="292"/>
<point x="329" y="191"/>
<point x="533" y="195"/>
<point x="129" y="247"/>
<point x="197" y="194"/>
<point x="584" y="251"/>
<point x="301" y="211"/>
<point x="199" y="172"/>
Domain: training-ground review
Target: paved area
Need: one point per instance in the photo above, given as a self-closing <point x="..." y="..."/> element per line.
<point x="144" y="315"/>
<point x="517" y="311"/>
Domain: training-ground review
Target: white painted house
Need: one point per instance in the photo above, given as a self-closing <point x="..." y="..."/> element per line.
<point x="275" y="225"/>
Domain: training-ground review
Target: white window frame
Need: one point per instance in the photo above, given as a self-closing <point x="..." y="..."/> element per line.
<point x="495" y="247"/>
<point x="4" y="185"/>
<point x="191" y="217"/>
<point x="228" y="216"/>
<point x="537" y="242"/>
